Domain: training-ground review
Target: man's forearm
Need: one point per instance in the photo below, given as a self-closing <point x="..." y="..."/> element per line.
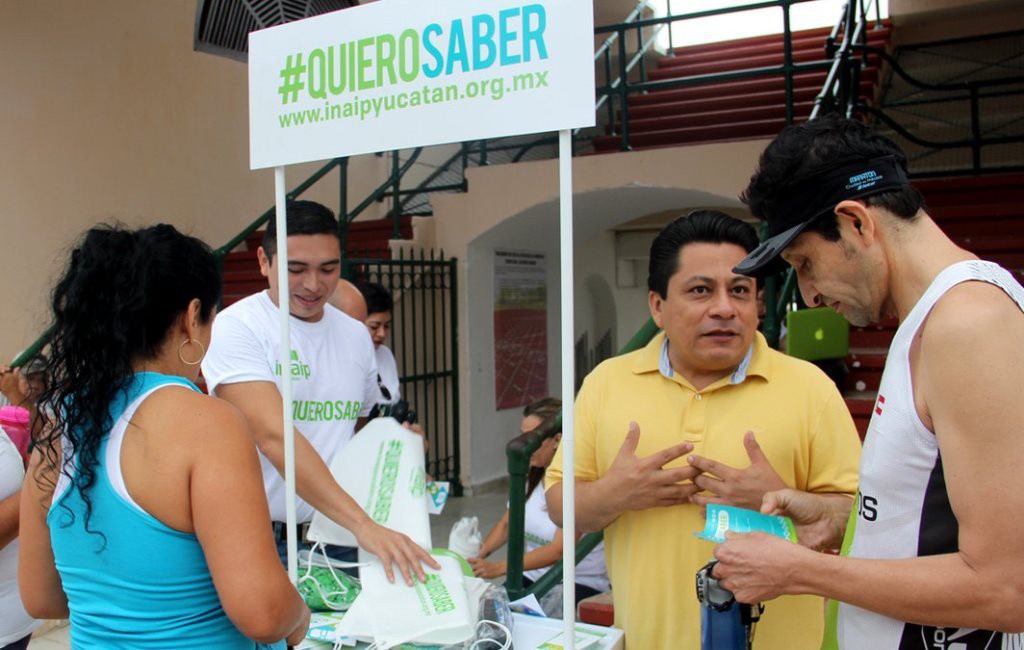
<point x="940" y="590"/>
<point x="314" y="482"/>
<point x="595" y="507"/>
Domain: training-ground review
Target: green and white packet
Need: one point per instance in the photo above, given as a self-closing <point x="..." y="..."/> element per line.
<point x="323" y="584"/>
<point x="722" y="519"/>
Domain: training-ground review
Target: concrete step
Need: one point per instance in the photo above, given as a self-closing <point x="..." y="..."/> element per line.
<point x="693" y="135"/>
<point x="970" y="190"/>
<point x="874" y="336"/>
<point x="802" y="41"/>
<point x="742" y="87"/>
<point x="864" y="371"/>
<point x="241" y="261"/>
<point x="754" y="112"/>
<point x="728" y="63"/>
<point x="819" y="32"/>
<point x="730" y="102"/>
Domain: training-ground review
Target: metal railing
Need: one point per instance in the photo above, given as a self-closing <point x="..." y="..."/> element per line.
<point x="623" y="87"/>
<point x="620" y="61"/>
<point x="450" y="175"/>
<point x="425" y="341"/>
<point x="518" y="453"/>
<point x="840" y="92"/>
<point x="345" y="216"/>
<point x="970" y="91"/>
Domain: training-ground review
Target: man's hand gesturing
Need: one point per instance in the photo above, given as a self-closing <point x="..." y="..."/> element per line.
<point x="636" y="483"/>
<point x="744" y="488"/>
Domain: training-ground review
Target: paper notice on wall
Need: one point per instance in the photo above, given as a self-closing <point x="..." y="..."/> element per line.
<point x="520" y="328"/>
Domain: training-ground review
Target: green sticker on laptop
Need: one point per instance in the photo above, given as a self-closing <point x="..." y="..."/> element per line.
<point x="723" y="519"/>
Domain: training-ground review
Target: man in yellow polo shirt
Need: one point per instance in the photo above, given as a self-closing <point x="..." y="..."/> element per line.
<point x="706" y="412"/>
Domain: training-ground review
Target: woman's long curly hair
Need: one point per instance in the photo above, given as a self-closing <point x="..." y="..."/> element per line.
<point x="114" y="305"/>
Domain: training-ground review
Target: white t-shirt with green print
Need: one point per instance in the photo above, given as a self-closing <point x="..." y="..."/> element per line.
<point x="333" y="368"/>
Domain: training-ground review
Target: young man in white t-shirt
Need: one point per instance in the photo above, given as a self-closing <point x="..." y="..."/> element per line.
<point x="379" y="305"/>
<point x="334" y="380"/>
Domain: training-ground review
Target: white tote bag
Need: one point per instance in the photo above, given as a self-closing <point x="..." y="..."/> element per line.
<point x="435" y="612"/>
<point x="383" y="469"/>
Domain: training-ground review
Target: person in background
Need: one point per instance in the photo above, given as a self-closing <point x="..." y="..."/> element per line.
<point x="141" y="490"/>
<point x="380" y="304"/>
<point x="349" y="300"/>
<point x="15" y="624"/>
<point x="23" y="386"/>
<point x="543" y="537"/>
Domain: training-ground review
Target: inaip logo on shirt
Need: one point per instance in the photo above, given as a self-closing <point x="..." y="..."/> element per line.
<point x="299" y="369"/>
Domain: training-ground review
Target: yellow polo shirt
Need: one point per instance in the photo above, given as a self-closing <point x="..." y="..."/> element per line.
<point x="801" y="423"/>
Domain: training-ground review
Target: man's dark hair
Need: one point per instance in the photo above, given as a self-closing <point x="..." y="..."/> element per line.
<point x="805" y="150"/>
<point x="304" y="218"/>
<point x="378" y="299"/>
<point x="700" y="226"/>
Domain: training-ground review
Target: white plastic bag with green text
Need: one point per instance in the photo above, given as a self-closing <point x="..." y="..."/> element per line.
<point x="382" y="468"/>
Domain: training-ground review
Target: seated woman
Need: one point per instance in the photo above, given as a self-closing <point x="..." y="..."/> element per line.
<point x="543" y="538"/>
<point x="143" y="515"/>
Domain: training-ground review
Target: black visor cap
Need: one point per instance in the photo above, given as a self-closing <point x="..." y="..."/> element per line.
<point x="817" y="196"/>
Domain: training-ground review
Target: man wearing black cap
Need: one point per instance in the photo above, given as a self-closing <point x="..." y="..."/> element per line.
<point x="935" y="552"/>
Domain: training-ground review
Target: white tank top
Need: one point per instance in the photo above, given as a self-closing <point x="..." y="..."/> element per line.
<point x="904" y="510"/>
<point x="540" y="531"/>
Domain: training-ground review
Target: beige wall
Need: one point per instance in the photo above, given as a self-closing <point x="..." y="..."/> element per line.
<point x="107" y="113"/>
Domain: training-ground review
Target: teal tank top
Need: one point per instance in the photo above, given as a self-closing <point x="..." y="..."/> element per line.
<point x="134" y="583"/>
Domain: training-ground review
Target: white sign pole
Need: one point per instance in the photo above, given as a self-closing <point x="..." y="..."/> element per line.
<point x="285" y="360"/>
<point x="568" y="393"/>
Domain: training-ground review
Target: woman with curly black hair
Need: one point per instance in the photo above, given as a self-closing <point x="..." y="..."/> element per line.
<point x="141" y="487"/>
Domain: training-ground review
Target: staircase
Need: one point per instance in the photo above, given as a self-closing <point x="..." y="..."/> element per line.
<point x="739" y="109"/>
<point x="242" y="276"/>
<point x="983" y="214"/>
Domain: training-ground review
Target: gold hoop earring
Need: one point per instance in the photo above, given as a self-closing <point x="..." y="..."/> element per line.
<point x="182" y="347"/>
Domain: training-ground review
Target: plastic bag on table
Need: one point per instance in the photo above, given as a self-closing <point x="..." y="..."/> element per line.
<point x="465" y="538"/>
<point x="493" y="629"/>
<point x="432" y="613"/>
<point x="382" y="468"/>
<point x="494" y="623"/>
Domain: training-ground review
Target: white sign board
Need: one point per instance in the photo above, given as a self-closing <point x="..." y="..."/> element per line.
<point x="397" y="74"/>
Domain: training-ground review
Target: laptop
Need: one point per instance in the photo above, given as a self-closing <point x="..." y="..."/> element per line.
<point x="815" y="334"/>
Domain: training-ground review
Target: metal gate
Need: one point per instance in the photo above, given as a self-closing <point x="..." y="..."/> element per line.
<point x="424" y="338"/>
